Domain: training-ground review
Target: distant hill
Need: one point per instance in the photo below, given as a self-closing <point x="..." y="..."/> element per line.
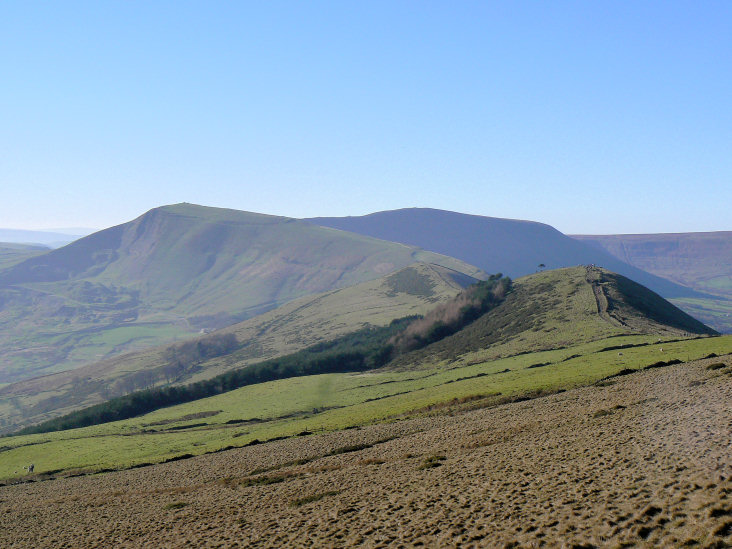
<point x="52" y="239"/>
<point x="515" y="248"/>
<point x="702" y="261"/>
<point x="564" y="308"/>
<point x="298" y="324"/>
<point x="12" y="252"/>
<point x="170" y="273"/>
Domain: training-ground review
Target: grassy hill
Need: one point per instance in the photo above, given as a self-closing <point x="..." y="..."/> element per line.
<point x="170" y="273"/>
<point x="558" y="330"/>
<point x="640" y="460"/>
<point x="515" y="248"/>
<point x="702" y="261"/>
<point x="12" y="253"/>
<point x="298" y="324"/>
<point x="561" y="309"/>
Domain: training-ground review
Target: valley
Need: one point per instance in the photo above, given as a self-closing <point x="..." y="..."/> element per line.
<point x="175" y="271"/>
<point x="551" y="337"/>
<point x="471" y="407"/>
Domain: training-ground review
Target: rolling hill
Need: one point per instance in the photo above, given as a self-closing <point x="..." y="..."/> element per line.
<point x="515" y="248"/>
<point x="560" y="309"/>
<point x="581" y="327"/>
<point x="170" y="273"/>
<point x="702" y="261"/>
<point x="12" y="253"/>
<point x="298" y="324"/>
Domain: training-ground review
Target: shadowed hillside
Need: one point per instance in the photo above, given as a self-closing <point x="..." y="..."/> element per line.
<point x="170" y="273"/>
<point x="515" y="248"/>
<point x="562" y="308"/>
<point x="702" y="261"/>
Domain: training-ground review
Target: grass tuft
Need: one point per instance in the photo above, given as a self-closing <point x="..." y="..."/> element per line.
<point x="176" y="505"/>
<point x="310" y="499"/>
<point x="432" y="461"/>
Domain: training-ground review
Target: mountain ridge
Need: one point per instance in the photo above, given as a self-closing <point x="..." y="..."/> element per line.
<point x="171" y="272"/>
<point x="514" y="247"/>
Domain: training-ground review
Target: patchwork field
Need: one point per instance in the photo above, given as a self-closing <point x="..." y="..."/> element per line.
<point x="637" y="460"/>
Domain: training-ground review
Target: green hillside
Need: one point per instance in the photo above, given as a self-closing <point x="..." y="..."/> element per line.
<point x="170" y="273"/>
<point x="581" y="326"/>
<point x="563" y="308"/>
<point x="702" y="261"/>
<point x="12" y="253"/>
<point x="289" y="328"/>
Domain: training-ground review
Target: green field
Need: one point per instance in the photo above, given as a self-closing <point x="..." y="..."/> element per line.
<point x="333" y="401"/>
<point x="555" y="330"/>
<point x="716" y="313"/>
<point x="295" y="325"/>
<point x="190" y="267"/>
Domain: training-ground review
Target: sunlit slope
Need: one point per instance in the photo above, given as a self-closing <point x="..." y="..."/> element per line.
<point x="413" y="290"/>
<point x="702" y="261"/>
<point x="562" y="308"/>
<point x="174" y="271"/>
<point x="298" y="406"/>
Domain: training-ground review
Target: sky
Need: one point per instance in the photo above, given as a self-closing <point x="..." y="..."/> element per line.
<point x="594" y="117"/>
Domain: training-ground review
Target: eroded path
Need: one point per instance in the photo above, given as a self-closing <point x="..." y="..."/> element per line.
<point x="644" y="461"/>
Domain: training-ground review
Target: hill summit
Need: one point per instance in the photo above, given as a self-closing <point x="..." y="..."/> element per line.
<point x="513" y="247"/>
<point x="171" y="272"/>
<point x="560" y="309"/>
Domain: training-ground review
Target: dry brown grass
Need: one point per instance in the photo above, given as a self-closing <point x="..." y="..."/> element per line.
<point x="644" y="462"/>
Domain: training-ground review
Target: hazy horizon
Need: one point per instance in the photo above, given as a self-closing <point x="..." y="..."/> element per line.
<point x="593" y="118"/>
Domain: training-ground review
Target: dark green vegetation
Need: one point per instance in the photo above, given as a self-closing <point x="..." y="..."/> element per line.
<point x="702" y="261"/>
<point x="575" y="323"/>
<point x="365" y="349"/>
<point x="451" y="317"/>
<point x="368" y="348"/>
<point x="301" y="323"/>
<point x="169" y="274"/>
<point x="560" y="309"/>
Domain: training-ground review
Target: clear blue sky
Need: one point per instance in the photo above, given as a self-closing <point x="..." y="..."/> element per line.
<point x="594" y="117"/>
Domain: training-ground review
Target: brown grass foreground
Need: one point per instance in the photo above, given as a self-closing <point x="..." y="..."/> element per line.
<point x="642" y="461"/>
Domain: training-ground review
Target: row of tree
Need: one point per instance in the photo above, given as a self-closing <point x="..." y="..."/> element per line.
<point x="368" y="348"/>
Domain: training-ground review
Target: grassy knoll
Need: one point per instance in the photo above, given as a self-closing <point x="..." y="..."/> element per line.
<point x="335" y="401"/>
<point x="562" y="308"/>
<point x="556" y="330"/>
<point x="697" y="260"/>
